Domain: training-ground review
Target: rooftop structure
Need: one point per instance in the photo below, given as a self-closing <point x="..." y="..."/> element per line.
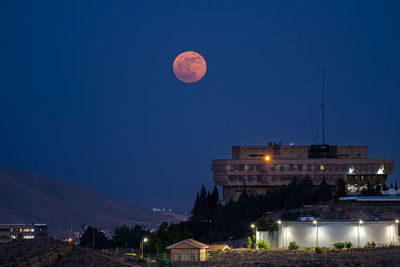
<point x="264" y="167"/>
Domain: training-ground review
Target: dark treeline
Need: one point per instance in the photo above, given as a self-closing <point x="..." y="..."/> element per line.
<point x="211" y="222"/>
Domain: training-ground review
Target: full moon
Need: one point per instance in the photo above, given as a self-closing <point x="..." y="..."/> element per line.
<point x="189" y="67"/>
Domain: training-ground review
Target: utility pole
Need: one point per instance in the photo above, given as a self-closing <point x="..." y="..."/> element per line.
<point x="323" y="106"/>
<point x="93" y="238"/>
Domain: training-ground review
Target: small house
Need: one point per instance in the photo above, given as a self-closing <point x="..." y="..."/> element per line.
<point x="192" y="250"/>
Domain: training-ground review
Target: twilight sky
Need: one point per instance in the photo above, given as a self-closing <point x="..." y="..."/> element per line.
<point x="88" y="94"/>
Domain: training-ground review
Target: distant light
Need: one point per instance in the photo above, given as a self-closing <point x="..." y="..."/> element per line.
<point x="380" y="171"/>
<point x="70" y="240"/>
<point x="145" y="239"/>
<point x="267" y="158"/>
<point x="252" y="226"/>
<point x="351" y="170"/>
<point x="314" y="222"/>
<point x="397" y="221"/>
<point x="360" y="222"/>
<point x="279" y="221"/>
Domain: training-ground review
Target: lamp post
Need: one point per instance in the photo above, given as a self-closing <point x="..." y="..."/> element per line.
<point x="253" y="227"/>
<point x="359" y="226"/>
<point x="316" y="232"/>
<point x="142" y="245"/>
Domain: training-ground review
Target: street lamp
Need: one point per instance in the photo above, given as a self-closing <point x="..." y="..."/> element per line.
<point x="316" y="236"/>
<point x="359" y="226"/>
<point x="142" y="245"/>
<point x="253" y="227"/>
<point x="267" y="158"/>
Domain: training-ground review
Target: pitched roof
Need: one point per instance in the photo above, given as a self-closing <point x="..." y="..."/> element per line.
<point x="190" y="242"/>
<point x="218" y="247"/>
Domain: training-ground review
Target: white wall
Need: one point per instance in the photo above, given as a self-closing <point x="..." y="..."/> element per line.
<point x="324" y="234"/>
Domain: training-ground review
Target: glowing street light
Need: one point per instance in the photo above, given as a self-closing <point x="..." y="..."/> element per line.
<point x="316" y="232"/>
<point x="279" y="222"/>
<point x="397" y="221"/>
<point x="142" y="245"/>
<point x="252" y="225"/>
<point x="267" y="158"/>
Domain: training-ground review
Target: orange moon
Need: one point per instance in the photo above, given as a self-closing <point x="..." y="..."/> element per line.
<point x="189" y="67"/>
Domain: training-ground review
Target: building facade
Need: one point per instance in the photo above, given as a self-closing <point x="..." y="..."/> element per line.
<point x="326" y="233"/>
<point x="9" y="232"/>
<point x="264" y="167"/>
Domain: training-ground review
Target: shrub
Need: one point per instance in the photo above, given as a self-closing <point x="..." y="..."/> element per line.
<point x="348" y="244"/>
<point x="249" y="242"/>
<point x="370" y="244"/>
<point x="261" y="244"/>
<point x="307" y="248"/>
<point x="318" y="250"/>
<point x="339" y="245"/>
<point x="293" y="245"/>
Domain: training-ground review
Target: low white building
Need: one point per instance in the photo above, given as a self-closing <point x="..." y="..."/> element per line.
<point x="325" y="233"/>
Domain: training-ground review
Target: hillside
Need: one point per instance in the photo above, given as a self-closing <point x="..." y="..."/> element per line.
<point x="26" y="197"/>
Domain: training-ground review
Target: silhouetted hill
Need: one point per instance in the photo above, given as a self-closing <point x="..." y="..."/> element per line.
<point x="26" y="197"/>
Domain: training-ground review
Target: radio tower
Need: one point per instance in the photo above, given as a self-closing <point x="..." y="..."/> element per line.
<point x="323" y="106"/>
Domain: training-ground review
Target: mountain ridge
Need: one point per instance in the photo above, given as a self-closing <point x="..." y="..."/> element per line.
<point x="26" y="197"/>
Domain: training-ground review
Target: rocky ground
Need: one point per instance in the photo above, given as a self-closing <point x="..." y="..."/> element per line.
<point x="52" y="252"/>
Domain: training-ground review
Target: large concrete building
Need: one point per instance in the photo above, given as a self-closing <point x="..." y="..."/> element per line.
<point x="264" y="167"/>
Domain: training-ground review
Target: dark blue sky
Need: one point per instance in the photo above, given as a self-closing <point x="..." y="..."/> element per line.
<point x="87" y="91"/>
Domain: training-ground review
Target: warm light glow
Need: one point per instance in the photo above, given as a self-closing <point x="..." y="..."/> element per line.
<point x="360" y="221"/>
<point x="279" y="221"/>
<point x="70" y="240"/>
<point x="380" y="171"/>
<point x="252" y="226"/>
<point x="314" y="222"/>
<point x="145" y="239"/>
<point x="397" y="221"/>
<point x="267" y="158"/>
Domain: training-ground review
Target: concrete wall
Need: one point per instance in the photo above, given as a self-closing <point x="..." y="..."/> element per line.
<point x="324" y="234"/>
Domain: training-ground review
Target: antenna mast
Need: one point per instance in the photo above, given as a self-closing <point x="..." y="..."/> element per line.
<point x="323" y="106"/>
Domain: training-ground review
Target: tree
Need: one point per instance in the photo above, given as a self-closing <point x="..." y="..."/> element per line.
<point x="291" y="201"/>
<point x="341" y="188"/>
<point x="244" y="194"/>
<point x="378" y="189"/>
<point x="395" y="186"/>
<point x="325" y="193"/>
<point x="385" y="188"/>
<point x="91" y="235"/>
<point x="369" y="190"/>
<point x="249" y="242"/>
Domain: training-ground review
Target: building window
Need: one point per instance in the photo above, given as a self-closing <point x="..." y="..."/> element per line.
<point x="178" y="257"/>
<point x="192" y="257"/>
